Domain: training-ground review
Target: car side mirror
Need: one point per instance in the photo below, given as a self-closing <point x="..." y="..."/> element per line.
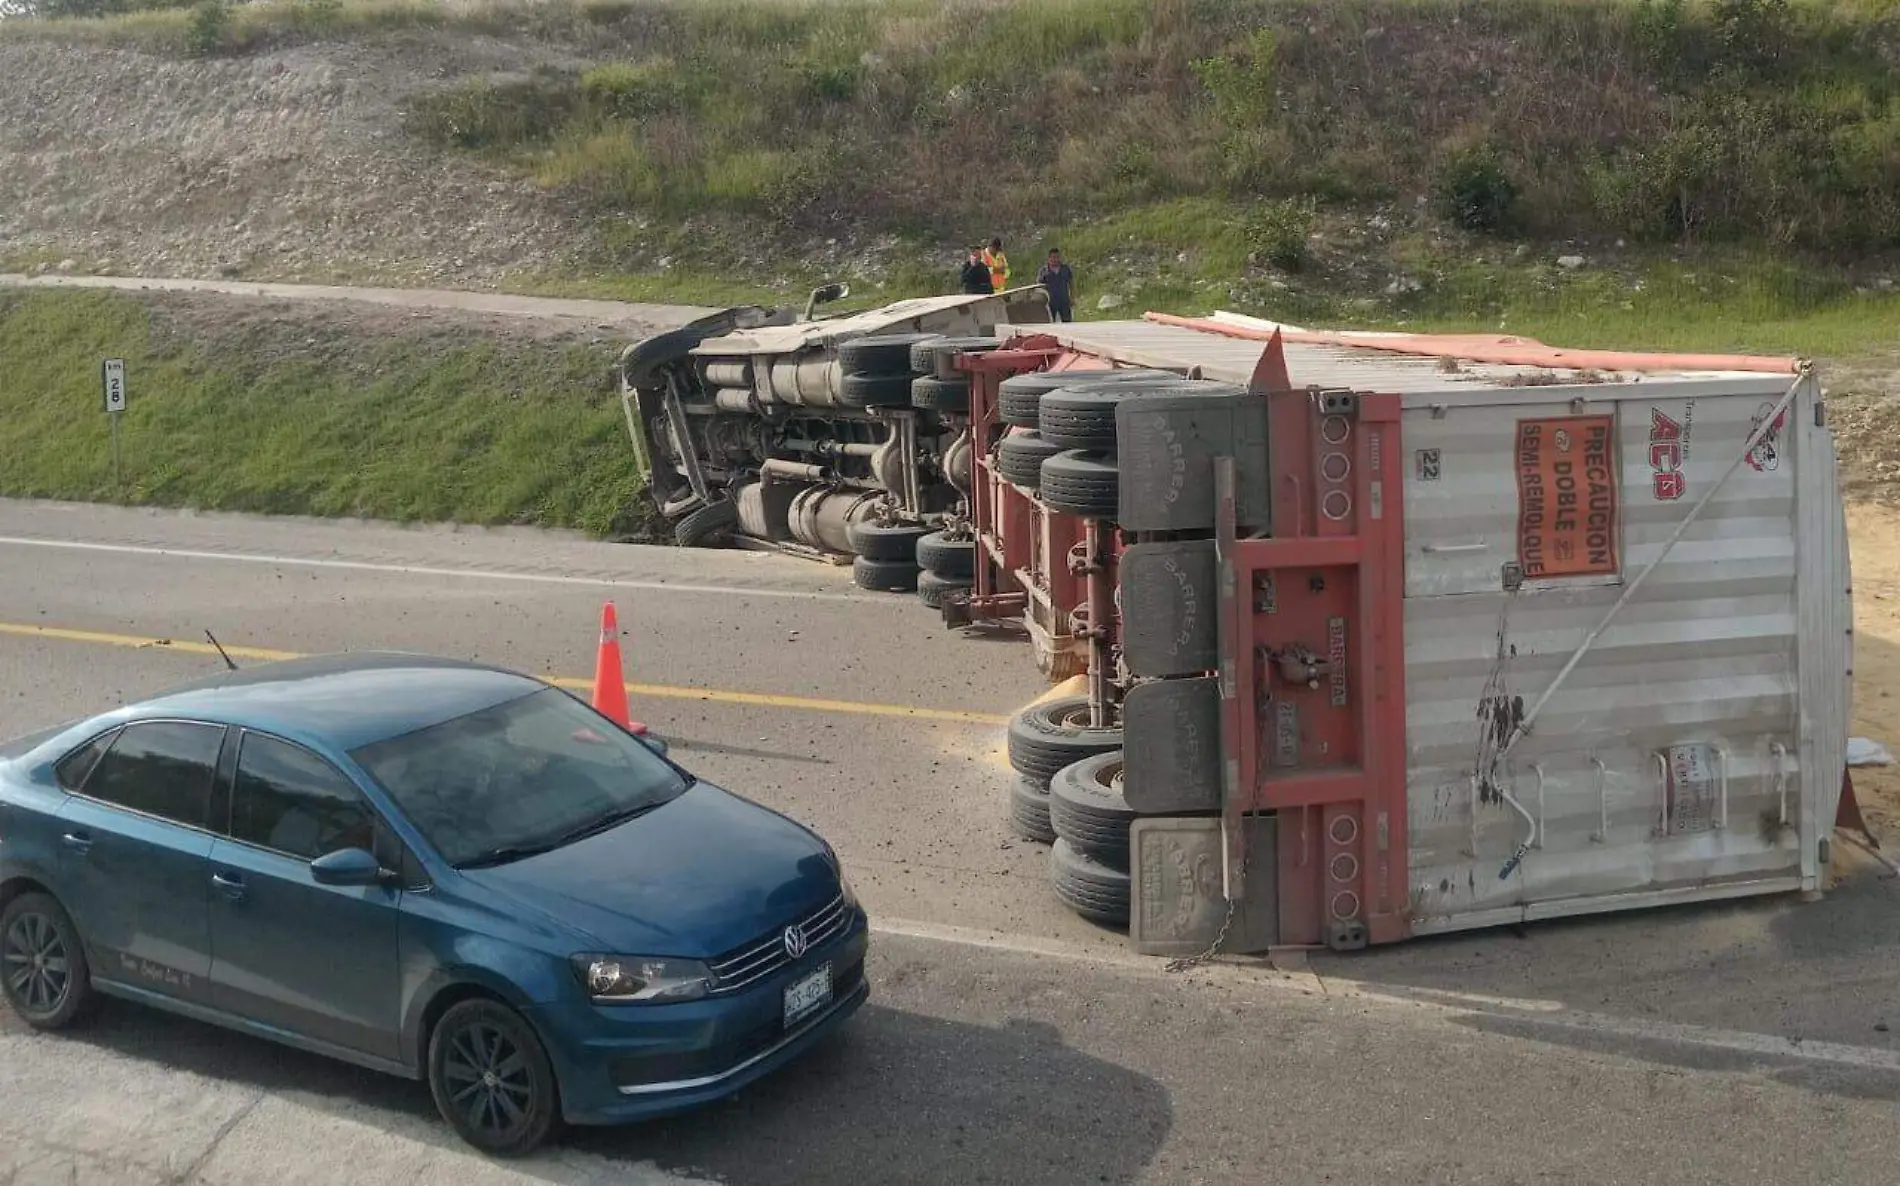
<point x="347" y="866"/>
<point x="656" y="744"/>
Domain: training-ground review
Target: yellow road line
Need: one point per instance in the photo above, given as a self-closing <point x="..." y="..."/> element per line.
<point x="656" y="691"/>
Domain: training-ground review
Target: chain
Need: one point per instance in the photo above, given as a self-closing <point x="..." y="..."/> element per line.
<point x="1189" y="962"/>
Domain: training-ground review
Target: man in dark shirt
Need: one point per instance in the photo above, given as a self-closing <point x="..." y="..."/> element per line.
<point x="976" y="273"/>
<point x="1059" y="279"/>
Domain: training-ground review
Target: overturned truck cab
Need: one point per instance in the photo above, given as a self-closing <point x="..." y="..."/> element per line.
<point x="834" y="438"/>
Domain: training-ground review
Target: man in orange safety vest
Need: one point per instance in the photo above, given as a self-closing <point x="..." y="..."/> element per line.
<point x="998" y="264"/>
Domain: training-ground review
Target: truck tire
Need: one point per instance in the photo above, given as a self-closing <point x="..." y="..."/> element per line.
<point x="1086" y="808"/>
<point x="884" y="576"/>
<point x="1085" y="484"/>
<point x="880" y="354"/>
<point x="1029" y="810"/>
<point x="931" y="587"/>
<point x="708" y="522"/>
<point x="924" y="355"/>
<point x="1045" y="738"/>
<point x="876" y="391"/>
<point x="1087" y="886"/>
<point x="951" y="396"/>
<point x="953" y="558"/>
<point x="1083" y="416"/>
<point x="1019" y="396"/>
<point x="894" y="542"/>
<point x="1019" y="458"/>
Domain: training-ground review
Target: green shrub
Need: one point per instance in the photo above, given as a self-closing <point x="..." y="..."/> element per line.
<point x="1277" y="232"/>
<point x="480" y="114"/>
<point x="209" y="26"/>
<point x="1474" y="188"/>
<point x="1243" y="83"/>
<point x="631" y="90"/>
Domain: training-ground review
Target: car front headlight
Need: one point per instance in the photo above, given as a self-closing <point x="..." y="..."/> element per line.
<point x="641" y="980"/>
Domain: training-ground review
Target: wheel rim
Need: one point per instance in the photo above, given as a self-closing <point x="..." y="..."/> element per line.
<point x="36" y="964"/>
<point x="488" y="1080"/>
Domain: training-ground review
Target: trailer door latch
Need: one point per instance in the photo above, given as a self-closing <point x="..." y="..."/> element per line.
<point x="1300" y="664"/>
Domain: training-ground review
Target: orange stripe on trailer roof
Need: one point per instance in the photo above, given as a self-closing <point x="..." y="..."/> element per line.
<point x="1496" y="349"/>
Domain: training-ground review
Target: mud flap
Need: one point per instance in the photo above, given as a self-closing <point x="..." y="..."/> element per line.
<point x="1171" y="746"/>
<point x="1176" y="905"/>
<point x="1167" y="445"/>
<point x="1169" y="608"/>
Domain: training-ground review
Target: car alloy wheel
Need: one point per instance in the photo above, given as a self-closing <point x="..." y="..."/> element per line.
<point x="491" y="1078"/>
<point x="37" y="969"/>
<point x="42" y="965"/>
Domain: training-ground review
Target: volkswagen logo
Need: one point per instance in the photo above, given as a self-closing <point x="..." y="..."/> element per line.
<point x="795" y="942"/>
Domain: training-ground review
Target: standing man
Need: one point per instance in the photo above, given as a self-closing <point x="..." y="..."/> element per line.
<point x="1059" y="279"/>
<point x="999" y="266"/>
<point x="976" y="274"/>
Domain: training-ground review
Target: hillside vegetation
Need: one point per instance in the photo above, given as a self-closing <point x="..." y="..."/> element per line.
<point x="1282" y="154"/>
<point x="1762" y="120"/>
<point x="1707" y="174"/>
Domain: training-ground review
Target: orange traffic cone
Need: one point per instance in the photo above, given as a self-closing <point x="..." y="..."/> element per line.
<point x="610" y="685"/>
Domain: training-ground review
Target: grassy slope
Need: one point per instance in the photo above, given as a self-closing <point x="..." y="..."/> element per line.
<point x="310" y="416"/>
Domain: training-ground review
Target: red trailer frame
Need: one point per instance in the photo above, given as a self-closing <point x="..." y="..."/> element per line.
<point x="1312" y="635"/>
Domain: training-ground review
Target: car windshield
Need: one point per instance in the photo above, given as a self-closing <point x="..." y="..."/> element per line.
<point x="519" y="778"/>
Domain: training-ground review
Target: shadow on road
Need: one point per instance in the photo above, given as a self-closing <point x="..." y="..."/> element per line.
<point x="896" y="1097"/>
<point x="912" y="1099"/>
<point x="1789" y="971"/>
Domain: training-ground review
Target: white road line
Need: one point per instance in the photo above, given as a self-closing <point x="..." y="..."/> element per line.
<point x="1527" y="1013"/>
<point x="487" y="574"/>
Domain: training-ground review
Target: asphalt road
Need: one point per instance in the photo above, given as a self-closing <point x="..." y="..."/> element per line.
<point x="1007" y="1042"/>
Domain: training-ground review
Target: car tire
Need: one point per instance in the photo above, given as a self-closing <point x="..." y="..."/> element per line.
<point x="885" y="541"/>
<point x="707" y="522"/>
<point x="1047" y="737"/>
<point x="1029" y="810"/>
<point x="1085" y="484"/>
<point x="885" y="576"/>
<point x="1087" y="886"/>
<point x="881" y="354"/>
<point x="933" y="587"/>
<point x="1019" y="458"/>
<point x="924" y="355"/>
<point x="953" y="558"/>
<point x="862" y="390"/>
<point x="947" y="396"/>
<point x="1086" y="808"/>
<point x="43" y="970"/>
<point x="479" y="1038"/>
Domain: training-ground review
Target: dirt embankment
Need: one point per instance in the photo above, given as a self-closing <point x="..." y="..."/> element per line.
<point x="284" y="163"/>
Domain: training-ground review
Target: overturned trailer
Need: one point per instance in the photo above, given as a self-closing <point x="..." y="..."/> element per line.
<point x="1389" y="635"/>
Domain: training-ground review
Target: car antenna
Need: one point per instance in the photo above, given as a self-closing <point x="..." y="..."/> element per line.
<point x="221" y="654"/>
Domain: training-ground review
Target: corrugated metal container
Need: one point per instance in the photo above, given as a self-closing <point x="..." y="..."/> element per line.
<point x="1695" y="747"/>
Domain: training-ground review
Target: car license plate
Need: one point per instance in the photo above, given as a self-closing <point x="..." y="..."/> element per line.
<point x="807" y="995"/>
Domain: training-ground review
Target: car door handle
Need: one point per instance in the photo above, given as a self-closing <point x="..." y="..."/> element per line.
<point x="232" y="885"/>
<point x="79" y="842"/>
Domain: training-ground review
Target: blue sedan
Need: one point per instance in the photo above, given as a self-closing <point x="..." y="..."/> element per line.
<point x="432" y="868"/>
